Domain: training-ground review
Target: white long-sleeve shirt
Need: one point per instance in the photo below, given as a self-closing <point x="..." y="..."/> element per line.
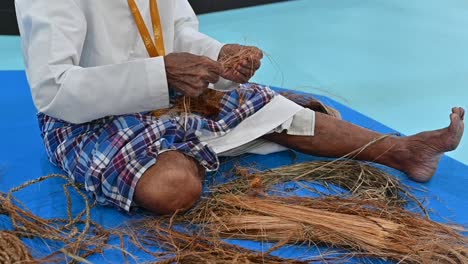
<point x="85" y="58"/>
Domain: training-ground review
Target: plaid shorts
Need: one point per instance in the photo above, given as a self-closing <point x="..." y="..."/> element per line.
<point x="109" y="155"/>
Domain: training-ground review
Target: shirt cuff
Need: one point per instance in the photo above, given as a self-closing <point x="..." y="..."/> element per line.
<point x="213" y="50"/>
<point x="157" y="83"/>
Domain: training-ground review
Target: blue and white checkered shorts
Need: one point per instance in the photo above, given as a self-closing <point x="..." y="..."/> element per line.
<point x="109" y="155"/>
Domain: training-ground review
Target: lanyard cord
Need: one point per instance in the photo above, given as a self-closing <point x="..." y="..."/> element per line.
<point x="155" y="48"/>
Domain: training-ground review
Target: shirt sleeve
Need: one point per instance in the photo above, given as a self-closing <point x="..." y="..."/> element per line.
<point x="53" y="35"/>
<point x="189" y="39"/>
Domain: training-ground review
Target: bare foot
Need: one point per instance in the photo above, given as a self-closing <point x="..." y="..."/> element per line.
<point x="424" y="150"/>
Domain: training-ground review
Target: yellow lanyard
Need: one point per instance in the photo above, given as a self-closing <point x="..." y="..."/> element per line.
<point x="155" y="48"/>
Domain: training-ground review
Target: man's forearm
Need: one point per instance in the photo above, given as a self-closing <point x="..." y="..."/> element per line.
<point x="83" y="94"/>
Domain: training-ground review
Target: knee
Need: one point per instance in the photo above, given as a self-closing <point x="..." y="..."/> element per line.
<point x="167" y="189"/>
<point x="183" y="190"/>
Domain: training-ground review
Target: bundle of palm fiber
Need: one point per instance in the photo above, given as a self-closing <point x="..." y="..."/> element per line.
<point x="179" y="247"/>
<point x="12" y="249"/>
<point x="366" y="228"/>
<point x="360" y="179"/>
<point x="72" y="239"/>
<point x="208" y="104"/>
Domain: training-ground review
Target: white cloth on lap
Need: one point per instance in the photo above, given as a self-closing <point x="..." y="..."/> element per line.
<point x="279" y="115"/>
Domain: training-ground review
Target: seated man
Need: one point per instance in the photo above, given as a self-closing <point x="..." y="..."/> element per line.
<point x="98" y="68"/>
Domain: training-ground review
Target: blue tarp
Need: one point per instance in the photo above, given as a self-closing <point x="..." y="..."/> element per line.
<point x="23" y="158"/>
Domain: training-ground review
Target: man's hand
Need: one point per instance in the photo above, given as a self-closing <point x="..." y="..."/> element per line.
<point x="190" y="74"/>
<point x="244" y="67"/>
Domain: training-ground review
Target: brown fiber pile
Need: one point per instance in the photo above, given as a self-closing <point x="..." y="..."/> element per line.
<point x="12" y="249"/>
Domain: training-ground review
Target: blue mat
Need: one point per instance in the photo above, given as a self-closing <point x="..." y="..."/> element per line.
<point x="22" y="158"/>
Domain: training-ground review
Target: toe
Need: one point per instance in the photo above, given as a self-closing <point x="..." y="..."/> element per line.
<point x="454" y="119"/>
<point x="459" y="111"/>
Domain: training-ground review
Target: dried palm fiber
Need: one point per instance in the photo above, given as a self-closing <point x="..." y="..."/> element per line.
<point x="12" y="249"/>
<point x="208" y="104"/>
<point x="195" y="248"/>
<point x="360" y="179"/>
<point x="72" y="239"/>
<point x="370" y="223"/>
<point x="69" y="241"/>
<point x="367" y="228"/>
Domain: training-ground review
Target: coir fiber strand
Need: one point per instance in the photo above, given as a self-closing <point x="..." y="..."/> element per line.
<point x="370" y="222"/>
<point x="368" y="228"/>
<point x="74" y="238"/>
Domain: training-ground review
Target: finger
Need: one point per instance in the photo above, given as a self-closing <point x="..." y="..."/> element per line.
<point x="247" y="71"/>
<point x="256" y="64"/>
<point x="237" y="78"/>
<point x="190" y="91"/>
<point x="210" y="77"/>
<point x="204" y="88"/>
<point x="213" y="66"/>
<point x="245" y="63"/>
<point x="198" y="90"/>
<point x="251" y="67"/>
<point x="192" y="87"/>
<point x="240" y="77"/>
<point x="256" y="53"/>
<point x="202" y="85"/>
<point x="251" y="63"/>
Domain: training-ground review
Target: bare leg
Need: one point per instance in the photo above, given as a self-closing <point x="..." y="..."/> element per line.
<point x="418" y="155"/>
<point x="173" y="183"/>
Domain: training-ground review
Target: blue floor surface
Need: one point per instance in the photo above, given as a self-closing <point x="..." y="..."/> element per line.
<point x="22" y="158"/>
